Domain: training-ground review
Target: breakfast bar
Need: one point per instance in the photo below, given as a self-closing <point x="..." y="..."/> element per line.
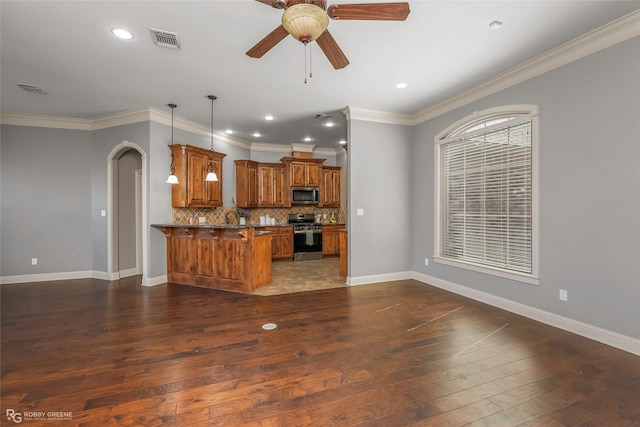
<point x="224" y="257"/>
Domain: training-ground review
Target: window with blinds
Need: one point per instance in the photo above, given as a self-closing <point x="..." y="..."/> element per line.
<point x="486" y="201"/>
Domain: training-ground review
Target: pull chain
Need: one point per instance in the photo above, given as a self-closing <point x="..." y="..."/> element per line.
<point x="305" y="62"/>
<point x="310" y="63"/>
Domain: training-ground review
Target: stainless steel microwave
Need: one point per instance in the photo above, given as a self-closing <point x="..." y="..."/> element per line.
<point x="305" y="195"/>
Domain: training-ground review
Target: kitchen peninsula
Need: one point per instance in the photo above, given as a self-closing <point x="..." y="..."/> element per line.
<point x="224" y="257"/>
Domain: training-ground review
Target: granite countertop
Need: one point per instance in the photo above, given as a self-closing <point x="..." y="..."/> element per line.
<point x="221" y="226"/>
<point x="231" y="226"/>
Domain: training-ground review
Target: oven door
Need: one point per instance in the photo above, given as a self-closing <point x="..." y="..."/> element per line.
<point x="305" y="242"/>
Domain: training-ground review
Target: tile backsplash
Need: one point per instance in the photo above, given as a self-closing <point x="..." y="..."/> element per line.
<point x="219" y="215"/>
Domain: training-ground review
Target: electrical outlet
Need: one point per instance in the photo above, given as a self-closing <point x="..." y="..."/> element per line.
<point x="563" y="295"/>
<point x="34" y="261"/>
<point x="426" y="261"/>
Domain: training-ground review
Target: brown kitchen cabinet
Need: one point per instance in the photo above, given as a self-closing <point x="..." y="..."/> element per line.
<point x="304" y="172"/>
<point x="331" y="239"/>
<point x="271" y="185"/>
<point x="246" y="183"/>
<point x="281" y="242"/>
<point x="191" y="165"/>
<point x="330" y="190"/>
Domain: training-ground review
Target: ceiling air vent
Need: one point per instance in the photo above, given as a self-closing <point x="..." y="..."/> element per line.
<point x="165" y="38"/>
<point x="32" y="88"/>
<point x="322" y="116"/>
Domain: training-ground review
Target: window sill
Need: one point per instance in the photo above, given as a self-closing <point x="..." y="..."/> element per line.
<point x="520" y="277"/>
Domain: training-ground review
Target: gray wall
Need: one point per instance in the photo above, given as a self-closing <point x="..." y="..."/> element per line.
<point x="46" y="200"/>
<point x="589" y="191"/>
<point x="379" y="182"/>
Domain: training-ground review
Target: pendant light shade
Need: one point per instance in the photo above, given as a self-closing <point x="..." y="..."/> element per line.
<point x="173" y="179"/>
<point x="211" y="175"/>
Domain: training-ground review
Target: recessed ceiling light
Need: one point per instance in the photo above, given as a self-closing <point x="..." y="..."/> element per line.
<point x="268" y="117"/>
<point x="329" y="124"/>
<point x="342" y="142"/>
<point x="307" y="139"/>
<point x="122" y="33"/>
<point x="401" y="85"/>
<point x="257" y="134"/>
<point x="228" y="131"/>
<point x="495" y="25"/>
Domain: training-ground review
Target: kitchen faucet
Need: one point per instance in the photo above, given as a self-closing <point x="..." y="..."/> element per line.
<point x="226" y="216"/>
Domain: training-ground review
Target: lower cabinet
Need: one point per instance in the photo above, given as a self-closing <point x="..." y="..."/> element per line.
<point x="331" y="240"/>
<point x="281" y="242"/>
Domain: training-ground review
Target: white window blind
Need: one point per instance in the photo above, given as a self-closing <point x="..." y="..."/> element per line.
<point x="486" y="194"/>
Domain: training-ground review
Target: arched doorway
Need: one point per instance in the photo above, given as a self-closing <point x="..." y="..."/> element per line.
<point x="127" y="230"/>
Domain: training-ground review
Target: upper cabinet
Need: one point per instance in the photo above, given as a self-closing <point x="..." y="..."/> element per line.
<point x="246" y="183"/>
<point x="260" y="184"/>
<point x="191" y="166"/>
<point x="304" y="172"/>
<point x="271" y="185"/>
<point x="330" y="190"/>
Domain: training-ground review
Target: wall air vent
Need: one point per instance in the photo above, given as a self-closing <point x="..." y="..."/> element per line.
<point x="32" y="88"/>
<point x="165" y="38"/>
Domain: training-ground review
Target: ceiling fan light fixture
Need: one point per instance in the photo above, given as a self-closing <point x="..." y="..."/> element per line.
<point x="305" y="21"/>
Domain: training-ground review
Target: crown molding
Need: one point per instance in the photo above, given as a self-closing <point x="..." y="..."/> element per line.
<point x="327" y="151"/>
<point x="275" y="148"/>
<point x="603" y="37"/>
<point x="303" y="148"/>
<point x="356" y="113"/>
<point x="55" y="122"/>
<point x="120" y="119"/>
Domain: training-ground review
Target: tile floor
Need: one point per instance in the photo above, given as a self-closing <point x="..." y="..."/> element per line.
<point x="301" y="276"/>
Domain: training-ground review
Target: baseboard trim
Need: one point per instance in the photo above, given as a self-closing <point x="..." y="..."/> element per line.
<point x="128" y="273"/>
<point x="154" y="281"/>
<point x="46" y="277"/>
<point x="377" y="278"/>
<point x="70" y="275"/>
<point x="586" y="330"/>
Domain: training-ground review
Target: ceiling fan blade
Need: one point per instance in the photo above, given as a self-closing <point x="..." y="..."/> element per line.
<point x="265" y="45"/>
<point x="332" y="51"/>
<point x="370" y="11"/>
<point x="278" y="4"/>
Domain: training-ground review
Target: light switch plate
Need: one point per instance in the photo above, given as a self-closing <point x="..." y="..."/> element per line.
<point x="360" y="212"/>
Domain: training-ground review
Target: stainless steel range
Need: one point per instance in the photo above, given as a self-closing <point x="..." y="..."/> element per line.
<point x="307" y="237"/>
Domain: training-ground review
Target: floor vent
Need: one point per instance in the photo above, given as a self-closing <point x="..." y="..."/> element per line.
<point x="165" y="38"/>
<point x="32" y="88"/>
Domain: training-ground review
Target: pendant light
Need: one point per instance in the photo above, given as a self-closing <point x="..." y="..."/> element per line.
<point x="173" y="179"/>
<point x="211" y="175"/>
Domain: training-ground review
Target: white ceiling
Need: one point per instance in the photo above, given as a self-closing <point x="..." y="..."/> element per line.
<point x="442" y="48"/>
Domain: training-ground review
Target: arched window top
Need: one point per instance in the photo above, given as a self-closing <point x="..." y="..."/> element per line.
<point x="485" y="120"/>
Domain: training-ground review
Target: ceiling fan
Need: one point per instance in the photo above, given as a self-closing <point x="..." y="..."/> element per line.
<point x="307" y="20"/>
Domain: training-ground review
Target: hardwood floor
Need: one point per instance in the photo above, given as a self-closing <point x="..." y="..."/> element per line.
<point x="391" y="354"/>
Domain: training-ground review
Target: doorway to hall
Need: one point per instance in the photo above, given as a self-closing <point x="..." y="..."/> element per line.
<point x="126" y="228"/>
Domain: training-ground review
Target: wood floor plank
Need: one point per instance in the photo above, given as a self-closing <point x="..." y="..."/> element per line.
<point x="391" y="355"/>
